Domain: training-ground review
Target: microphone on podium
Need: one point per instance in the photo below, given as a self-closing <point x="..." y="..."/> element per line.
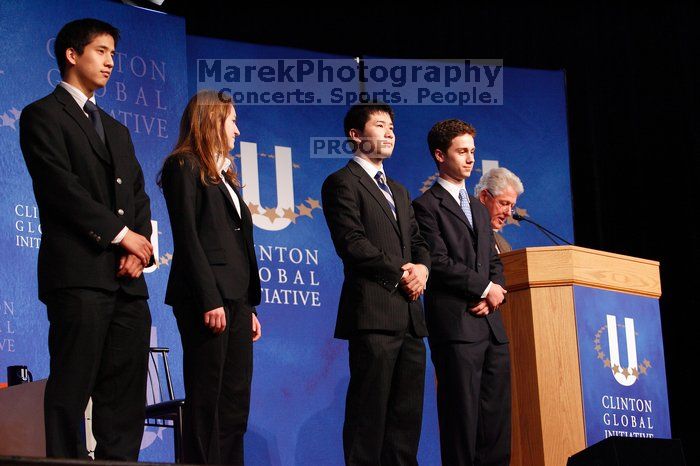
<point x="547" y="233"/>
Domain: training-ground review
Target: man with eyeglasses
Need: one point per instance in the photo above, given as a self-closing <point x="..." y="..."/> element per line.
<point x="498" y="189"/>
<point x="468" y="341"/>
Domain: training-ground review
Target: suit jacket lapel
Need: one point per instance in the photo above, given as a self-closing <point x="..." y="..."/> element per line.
<point x="112" y="139"/>
<point x="449" y="203"/>
<point x="75" y="112"/>
<point x="401" y="207"/>
<point x="247" y="218"/>
<point x="482" y="223"/>
<point x="227" y="195"/>
<point x="374" y="190"/>
<point x="503" y="245"/>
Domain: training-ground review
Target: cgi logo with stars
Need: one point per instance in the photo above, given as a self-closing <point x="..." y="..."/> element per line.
<point x="286" y="212"/>
<point x="10" y="116"/>
<point x="629" y="374"/>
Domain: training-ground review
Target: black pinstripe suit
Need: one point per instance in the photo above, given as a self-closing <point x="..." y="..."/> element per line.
<point x="384" y="328"/>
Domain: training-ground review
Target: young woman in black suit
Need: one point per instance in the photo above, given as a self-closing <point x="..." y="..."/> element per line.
<point x="214" y="283"/>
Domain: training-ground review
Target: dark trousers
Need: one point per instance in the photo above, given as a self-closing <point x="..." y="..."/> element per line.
<point x="98" y="342"/>
<point x="473" y="400"/>
<point x="218" y="371"/>
<point x="384" y="405"/>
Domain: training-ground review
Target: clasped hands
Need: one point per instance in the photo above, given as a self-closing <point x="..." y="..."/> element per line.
<point x="413" y="280"/>
<point x="490" y="303"/>
<point x="137" y="254"/>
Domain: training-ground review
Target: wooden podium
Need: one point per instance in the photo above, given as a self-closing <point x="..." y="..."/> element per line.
<point x="548" y="422"/>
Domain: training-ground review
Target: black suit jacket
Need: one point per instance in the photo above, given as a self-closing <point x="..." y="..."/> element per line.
<point x="214" y="258"/>
<point x="86" y="191"/>
<point x="464" y="260"/>
<point x="373" y="246"/>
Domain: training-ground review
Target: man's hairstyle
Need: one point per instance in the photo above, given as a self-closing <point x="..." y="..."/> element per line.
<point x="359" y="115"/>
<point x="497" y="180"/>
<point x="443" y="132"/>
<point x="77" y="34"/>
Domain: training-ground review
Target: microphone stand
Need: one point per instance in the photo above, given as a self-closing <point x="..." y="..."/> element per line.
<point x="547" y="233"/>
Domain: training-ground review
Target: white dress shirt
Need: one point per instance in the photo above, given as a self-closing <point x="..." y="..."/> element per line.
<point x="370" y="168"/>
<point x="78" y="95"/>
<point x="222" y="165"/>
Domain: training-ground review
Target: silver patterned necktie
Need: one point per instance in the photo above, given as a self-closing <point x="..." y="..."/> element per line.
<point x="464" y="204"/>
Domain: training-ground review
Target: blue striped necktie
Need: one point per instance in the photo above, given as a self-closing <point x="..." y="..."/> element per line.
<point x="387" y="192"/>
<point x="464" y="204"/>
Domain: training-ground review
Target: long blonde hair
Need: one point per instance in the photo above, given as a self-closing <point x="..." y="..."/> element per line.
<point x="202" y="135"/>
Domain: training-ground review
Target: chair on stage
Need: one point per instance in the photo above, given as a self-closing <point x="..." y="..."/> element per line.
<point x="164" y="412"/>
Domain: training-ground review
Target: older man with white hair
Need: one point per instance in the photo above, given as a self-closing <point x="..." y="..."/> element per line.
<point x="498" y="189"/>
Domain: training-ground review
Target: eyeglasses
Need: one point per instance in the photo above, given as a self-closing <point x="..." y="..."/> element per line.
<point x="503" y="204"/>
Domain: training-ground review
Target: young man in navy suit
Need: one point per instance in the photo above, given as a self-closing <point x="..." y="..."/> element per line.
<point x="96" y="223"/>
<point x="468" y="343"/>
<point x="386" y="265"/>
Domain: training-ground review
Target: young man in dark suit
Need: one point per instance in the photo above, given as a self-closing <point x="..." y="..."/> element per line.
<point x="386" y="264"/>
<point x="96" y="221"/>
<point x="468" y="343"/>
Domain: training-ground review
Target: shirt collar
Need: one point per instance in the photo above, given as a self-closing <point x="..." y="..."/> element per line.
<point x="222" y="164"/>
<point x="369" y="167"/>
<point x="77" y="94"/>
<point x="452" y="188"/>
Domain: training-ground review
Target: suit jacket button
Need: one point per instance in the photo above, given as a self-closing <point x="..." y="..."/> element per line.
<point x="119" y="181"/>
<point x="120" y="211"/>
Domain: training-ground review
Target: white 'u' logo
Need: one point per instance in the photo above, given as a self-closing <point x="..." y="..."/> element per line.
<point x="621" y="378"/>
<point x="251" y="184"/>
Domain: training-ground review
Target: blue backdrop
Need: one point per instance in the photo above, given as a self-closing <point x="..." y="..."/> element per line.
<point x="301" y="372"/>
<point x="525" y="132"/>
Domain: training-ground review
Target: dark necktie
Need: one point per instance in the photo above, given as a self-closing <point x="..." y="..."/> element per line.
<point x="386" y="191"/>
<point x="94" y="114"/>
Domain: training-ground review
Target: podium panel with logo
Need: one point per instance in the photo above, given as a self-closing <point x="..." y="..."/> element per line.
<point x="586" y="350"/>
